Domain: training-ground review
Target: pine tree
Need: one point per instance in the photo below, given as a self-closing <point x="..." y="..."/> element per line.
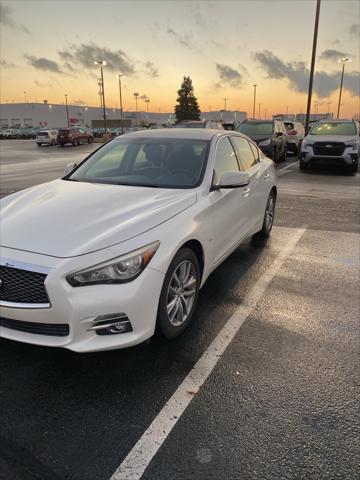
<point x="187" y="107"/>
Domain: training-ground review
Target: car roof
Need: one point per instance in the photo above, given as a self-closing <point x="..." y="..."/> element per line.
<point x="190" y="133"/>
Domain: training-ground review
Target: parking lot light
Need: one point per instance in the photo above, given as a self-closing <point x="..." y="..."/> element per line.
<point x="119" y="75"/>
<point x="343" y="61"/>
<point x="102" y="64"/>
<point x="67" y="110"/>
<point x="255" y="85"/>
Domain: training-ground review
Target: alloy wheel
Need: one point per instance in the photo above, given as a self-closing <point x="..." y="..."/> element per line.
<point x="181" y="293"/>
<point x="269" y="212"/>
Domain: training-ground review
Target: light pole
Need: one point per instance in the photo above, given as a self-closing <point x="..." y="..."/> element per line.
<point x="343" y="61"/>
<point x="147" y="101"/>
<point x="255" y="85"/>
<point x="287" y="110"/>
<point x="120" y="98"/>
<point x="67" y="111"/>
<point x="225" y="100"/>
<point x="102" y="64"/>
<point x="136" y="94"/>
<point x="259" y="111"/>
<point x="25" y="97"/>
<point x="312" y="68"/>
<point x="265" y="114"/>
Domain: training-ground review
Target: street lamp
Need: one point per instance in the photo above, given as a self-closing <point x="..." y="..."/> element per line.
<point x="102" y="64"/>
<point x="147" y="101"/>
<point x="255" y="85"/>
<point x="343" y="61"/>
<point x="225" y="100"/>
<point x="67" y="110"/>
<point x="259" y="111"/>
<point x="119" y="75"/>
<point x="136" y="94"/>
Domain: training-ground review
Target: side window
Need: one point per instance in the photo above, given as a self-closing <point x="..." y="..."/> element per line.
<point x="225" y="159"/>
<point x="245" y="154"/>
<point x="255" y="151"/>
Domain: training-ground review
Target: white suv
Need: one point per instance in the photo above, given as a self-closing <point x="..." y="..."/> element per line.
<point x="295" y="132"/>
<point x="332" y="142"/>
<point x="46" y="137"/>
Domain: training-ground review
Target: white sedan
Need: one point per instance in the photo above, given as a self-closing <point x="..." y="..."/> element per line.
<point x="122" y="244"/>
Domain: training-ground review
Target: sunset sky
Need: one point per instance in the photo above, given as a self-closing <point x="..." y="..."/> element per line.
<point x="48" y="48"/>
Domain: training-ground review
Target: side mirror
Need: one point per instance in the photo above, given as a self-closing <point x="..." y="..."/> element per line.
<point x="233" y="180"/>
<point x="70" y="167"/>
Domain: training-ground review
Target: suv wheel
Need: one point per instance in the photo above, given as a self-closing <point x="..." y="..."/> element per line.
<point x="90" y="140"/>
<point x="76" y="142"/>
<point x="179" y="294"/>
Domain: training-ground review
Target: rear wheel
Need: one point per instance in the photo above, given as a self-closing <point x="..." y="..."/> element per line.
<point x="268" y="217"/>
<point x="76" y="142"/>
<point x="273" y="155"/>
<point x="90" y="140"/>
<point x="354" y="168"/>
<point x="303" y="165"/>
<point x="53" y="142"/>
<point x="179" y="294"/>
<point x="38" y="144"/>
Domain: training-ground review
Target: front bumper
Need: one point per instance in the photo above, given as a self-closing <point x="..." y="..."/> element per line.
<point x="348" y="158"/>
<point x="79" y="307"/>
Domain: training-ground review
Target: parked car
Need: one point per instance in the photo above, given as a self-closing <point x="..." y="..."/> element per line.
<point x="199" y="124"/>
<point x="74" y="135"/>
<point x="295" y="132"/>
<point x="269" y="135"/>
<point x="332" y="142"/>
<point x="46" y="137"/>
<point x="124" y="242"/>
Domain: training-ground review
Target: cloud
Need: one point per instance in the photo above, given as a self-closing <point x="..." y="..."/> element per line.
<point x="228" y="75"/>
<point x="6" y="19"/>
<point x="84" y="55"/>
<point x="42" y="63"/>
<point x="183" y="40"/>
<point x="6" y="64"/>
<point x="298" y="75"/>
<point x="150" y="70"/>
<point x="332" y="54"/>
<point x="42" y="85"/>
<point x="355" y="30"/>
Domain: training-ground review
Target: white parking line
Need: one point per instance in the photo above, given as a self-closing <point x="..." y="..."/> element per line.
<point x="279" y="172"/>
<point x="137" y="460"/>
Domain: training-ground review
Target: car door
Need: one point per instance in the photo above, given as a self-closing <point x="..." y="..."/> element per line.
<point x="249" y="158"/>
<point x="229" y="206"/>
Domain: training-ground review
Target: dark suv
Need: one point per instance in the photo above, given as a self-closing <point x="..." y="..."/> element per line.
<point x="75" y="136"/>
<point x="269" y="135"/>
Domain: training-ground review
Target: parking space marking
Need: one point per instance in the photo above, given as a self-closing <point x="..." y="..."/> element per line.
<point x="286" y="168"/>
<point x="138" y="459"/>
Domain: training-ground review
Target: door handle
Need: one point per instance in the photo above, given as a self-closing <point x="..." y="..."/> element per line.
<point x="246" y="192"/>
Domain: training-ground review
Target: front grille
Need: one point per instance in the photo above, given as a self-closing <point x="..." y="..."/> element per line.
<point x="22" y="286"/>
<point x="334" y="149"/>
<point x="50" y="329"/>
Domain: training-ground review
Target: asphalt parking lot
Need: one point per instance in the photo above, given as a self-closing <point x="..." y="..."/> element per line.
<point x="263" y="385"/>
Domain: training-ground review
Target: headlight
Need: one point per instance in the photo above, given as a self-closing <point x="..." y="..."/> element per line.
<point x="264" y="143"/>
<point x="117" y="270"/>
<point x="306" y="143"/>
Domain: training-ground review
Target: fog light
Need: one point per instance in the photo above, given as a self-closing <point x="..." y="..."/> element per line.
<point x="111" y="324"/>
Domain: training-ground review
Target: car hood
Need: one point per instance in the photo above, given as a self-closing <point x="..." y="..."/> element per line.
<point x="332" y="138"/>
<point x="66" y="219"/>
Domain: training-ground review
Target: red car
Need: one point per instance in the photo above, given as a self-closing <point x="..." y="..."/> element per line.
<point x="75" y="136"/>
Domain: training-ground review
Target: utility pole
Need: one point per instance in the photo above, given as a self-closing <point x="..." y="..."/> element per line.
<point x="225" y="100"/>
<point x="343" y="61"/>
<point x="312" y="68"/>
<point x="67" y="110"/>
<point x="255" y="85"/>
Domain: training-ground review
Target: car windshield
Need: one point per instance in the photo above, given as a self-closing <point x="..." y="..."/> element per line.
<point x="258" y="128"/>
<point x="333" y="128"/>
<point x="141" y="161"/>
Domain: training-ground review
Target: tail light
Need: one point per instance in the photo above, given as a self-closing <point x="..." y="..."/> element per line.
<point x="292" y="132"/>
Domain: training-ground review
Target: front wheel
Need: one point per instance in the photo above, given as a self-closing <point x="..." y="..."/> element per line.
<point x="268" y="217"/>
<point x="179" y="294"/>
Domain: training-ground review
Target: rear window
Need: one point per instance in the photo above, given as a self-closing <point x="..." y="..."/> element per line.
<point x="259" y="128"/>
<point x="43" y="134"/>
<point x="64" y="132"/>
<point x="334" y="128"/>
<point x="289" y="126"/>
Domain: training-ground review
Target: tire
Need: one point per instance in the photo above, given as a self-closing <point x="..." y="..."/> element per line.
<point x="90" y="140"/>
<point x="53" y="142"/>
<point x="173" y="324"/>
<point x="283" y="156"/>
<point x="273" y="155"/>
<point x="38" y="144"/>
<point x="76" y="143"/>
<point x="303" y="166"/>
<point x="269" y="214"/>
<point x="354" y="168"/>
